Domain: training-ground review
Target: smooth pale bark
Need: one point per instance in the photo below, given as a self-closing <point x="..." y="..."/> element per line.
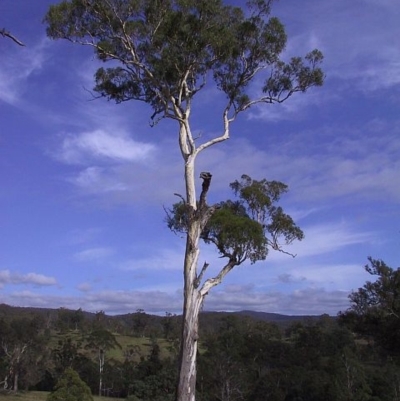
<point x="194" y="293"/>
<point x="188" y="361"/>
<point x="193" y="301"/>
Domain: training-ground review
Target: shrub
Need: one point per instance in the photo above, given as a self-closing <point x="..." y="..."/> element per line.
<point x="70" y="387"/>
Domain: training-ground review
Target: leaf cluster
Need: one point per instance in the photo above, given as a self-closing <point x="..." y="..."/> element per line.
<point x="246" y="227"/>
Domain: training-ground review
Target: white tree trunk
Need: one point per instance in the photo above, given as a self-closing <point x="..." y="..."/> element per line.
<point x="193" y="300"/>
<point x="194" y="294"/>
<point x="188" y="361"/>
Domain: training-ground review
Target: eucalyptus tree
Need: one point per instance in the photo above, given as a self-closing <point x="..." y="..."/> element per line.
<point x="100" y="340"/>
<point x="163" y="53"/>
<point x="21" y="345"/>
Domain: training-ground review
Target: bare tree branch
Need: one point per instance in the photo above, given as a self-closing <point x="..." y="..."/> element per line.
<point x="7" y="34"/>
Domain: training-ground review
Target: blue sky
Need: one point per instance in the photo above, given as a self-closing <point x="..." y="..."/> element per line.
<point x="84" y="182"/>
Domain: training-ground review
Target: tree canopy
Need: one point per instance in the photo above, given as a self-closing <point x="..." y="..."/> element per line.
<point x="166" y="50"/>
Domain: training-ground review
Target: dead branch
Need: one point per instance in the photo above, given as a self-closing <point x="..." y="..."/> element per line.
<point x="7" y="34"/>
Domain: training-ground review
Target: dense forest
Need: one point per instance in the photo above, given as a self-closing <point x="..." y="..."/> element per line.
<point x="242" y="356"/>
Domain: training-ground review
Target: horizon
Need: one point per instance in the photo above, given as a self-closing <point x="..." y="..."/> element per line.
<point x="140" y="310"/>
<point x="85" y="182"/>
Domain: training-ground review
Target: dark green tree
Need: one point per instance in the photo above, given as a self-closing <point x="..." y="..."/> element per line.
<point x="68" y="319"/>
<point x="375" y="308"/>
<point x="66" y="352"/>
<point x="70" y="387"/>
<point x="163" y="53"/>
<point x="154" y="378"/>
<point x="140" y="320"/>
<point x="22" y="345"/>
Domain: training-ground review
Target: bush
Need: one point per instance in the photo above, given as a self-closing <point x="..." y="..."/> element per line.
<point x="70" y="387"/>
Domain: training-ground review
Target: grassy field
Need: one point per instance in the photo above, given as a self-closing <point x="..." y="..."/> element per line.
<point x="40" y="396"/>
<point x="137" y="346"/>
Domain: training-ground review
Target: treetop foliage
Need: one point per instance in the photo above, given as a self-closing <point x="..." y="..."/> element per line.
<point x="165" y="50"/>
<point x="375" y="308"/>
<point x="382" y="295"/>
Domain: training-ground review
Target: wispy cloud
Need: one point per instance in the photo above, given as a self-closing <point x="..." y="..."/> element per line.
<point x="343" y="277"/>
<point x="94" y="254"/>
<point x="84" y="287"/>
<point x="309" y="301"/>
<point x="112" y="302"/>
<point x="83" y="236"/>
<point x="361" y="162"/>
<point x="164" y="259"/>
<point x="9" y="278"/>
<point x="322" y="239"/>
<point x="17" y="67"/>
<point x="100" y="144"/>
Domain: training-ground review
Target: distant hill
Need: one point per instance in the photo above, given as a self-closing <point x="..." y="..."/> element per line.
<point x="276" y="317"/>
<point x="208" y="319"/>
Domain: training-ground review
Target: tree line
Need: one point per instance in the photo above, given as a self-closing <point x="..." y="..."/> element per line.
<point x="354" y="356"/>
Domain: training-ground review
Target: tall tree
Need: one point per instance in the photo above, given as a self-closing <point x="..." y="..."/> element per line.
<point x="163" y="52"/>
<point x="100" y="341"/>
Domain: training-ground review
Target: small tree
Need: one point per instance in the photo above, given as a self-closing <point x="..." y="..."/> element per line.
<point x="70" y="387"/>
<point x="163" y="53"/>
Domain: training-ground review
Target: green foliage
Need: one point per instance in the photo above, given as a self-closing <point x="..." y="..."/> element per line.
<point x="165" y="49"/>
<point x="70" y="387"/>
<point x="22" y="351"/>
<point x="66" y="353"/>
<point x="244" y="359"/>
<point x="235" y="235"/>
<point x="100" y="339"/>
<point x="375" y="310"/>
<point x="247" y="227"/>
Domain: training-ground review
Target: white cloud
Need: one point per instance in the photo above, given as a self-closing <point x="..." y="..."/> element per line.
<point x="165" y="259"/>
<point x="100" y="144"/>
<point x="361" y="162"/>
<point x="309" y="301"/>
<point x="338" y="277"/>
<point x="84" y="287"/>
<point x="94" y="254"/>
<point x="359" y="56"/>
<point x="16" y="69"/>
<point x="329" y="237"/>
<point x="83" y="236"/>
<point x="112" y="302"/>
<point x="8" y="278"/>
